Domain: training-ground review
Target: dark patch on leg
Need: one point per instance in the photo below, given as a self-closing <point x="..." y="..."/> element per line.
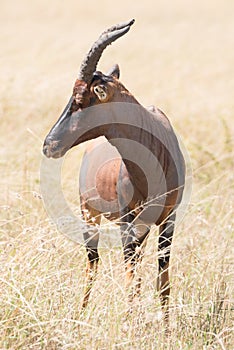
<point x="128" y="238"/>
<point x="166" y="231"/>
<point x="131" y="256"/>
<point x="92" y="254"/>
<point x="91" y="242"/>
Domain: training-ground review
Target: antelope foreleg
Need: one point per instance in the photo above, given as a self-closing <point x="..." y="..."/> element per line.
<point x="91" y="241"/>
<point x="91" y="272"/>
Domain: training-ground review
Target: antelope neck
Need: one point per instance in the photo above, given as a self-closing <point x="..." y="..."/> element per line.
<point x="135" y="147"/>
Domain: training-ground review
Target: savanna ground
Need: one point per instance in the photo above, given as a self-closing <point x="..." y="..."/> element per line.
<point x="179" y="56"/>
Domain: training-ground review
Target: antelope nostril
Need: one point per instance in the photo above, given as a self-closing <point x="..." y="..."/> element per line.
<point x="46" y="150"/>
<point x="52" y="149"/>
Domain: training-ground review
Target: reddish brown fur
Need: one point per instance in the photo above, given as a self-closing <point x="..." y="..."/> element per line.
<point x="105" y="177"/>
<point x="105" y="185"/>
<point x="81" y="95"/>
<point x="111" y="179"/>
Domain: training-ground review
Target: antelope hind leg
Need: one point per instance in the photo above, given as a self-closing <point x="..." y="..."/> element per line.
<point x="166" y="231"/>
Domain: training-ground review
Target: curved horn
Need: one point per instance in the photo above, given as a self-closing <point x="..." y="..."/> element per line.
<point x="90" y="62"/>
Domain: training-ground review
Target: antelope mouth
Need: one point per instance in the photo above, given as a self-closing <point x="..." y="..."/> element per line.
<point x="53" y="150"/>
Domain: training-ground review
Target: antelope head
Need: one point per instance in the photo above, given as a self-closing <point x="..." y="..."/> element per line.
<point x="91" y="88"/>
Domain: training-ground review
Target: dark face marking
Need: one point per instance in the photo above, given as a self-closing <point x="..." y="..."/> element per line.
<point x="63" y="134"/>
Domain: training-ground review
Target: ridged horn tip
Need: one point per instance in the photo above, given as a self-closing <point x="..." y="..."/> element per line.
<point x="89" y="63"/>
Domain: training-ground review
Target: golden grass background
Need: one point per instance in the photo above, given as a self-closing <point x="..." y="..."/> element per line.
<point x="179" y="56"/>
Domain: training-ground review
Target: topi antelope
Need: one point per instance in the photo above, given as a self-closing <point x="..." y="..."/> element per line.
<point x="133" y="170"/>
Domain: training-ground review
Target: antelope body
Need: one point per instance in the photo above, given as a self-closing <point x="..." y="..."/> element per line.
<point x="132" y="172"/>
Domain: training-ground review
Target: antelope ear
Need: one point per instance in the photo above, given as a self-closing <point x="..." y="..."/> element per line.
<point x="101" y="93"/>
<point x="114" y="71"/>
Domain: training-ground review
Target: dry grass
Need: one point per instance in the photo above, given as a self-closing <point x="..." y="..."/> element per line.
<point x="179" y="56"/>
